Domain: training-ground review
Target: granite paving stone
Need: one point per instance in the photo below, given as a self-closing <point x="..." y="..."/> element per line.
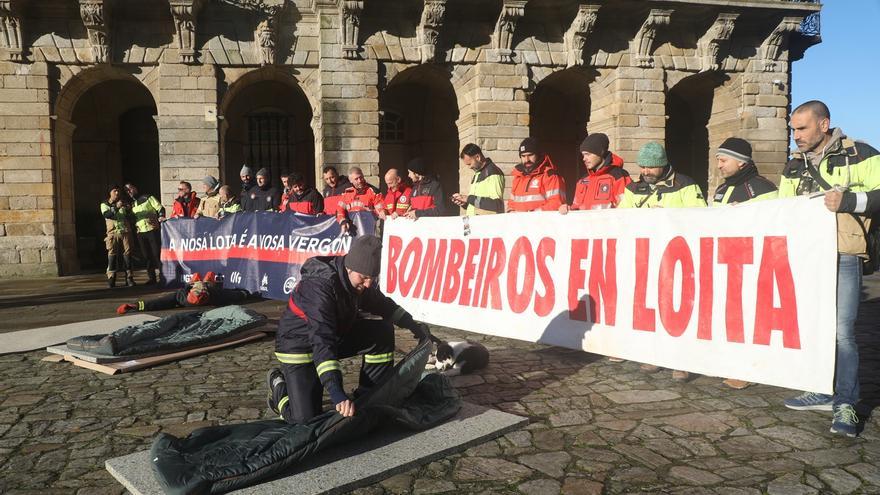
<point x="595" y="427"/>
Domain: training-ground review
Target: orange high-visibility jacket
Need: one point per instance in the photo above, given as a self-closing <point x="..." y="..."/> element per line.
<point x="542" y="189"/>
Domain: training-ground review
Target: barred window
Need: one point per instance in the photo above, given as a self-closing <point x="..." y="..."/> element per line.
<point x="269" y="144"/>
<point x="390" y="126"/>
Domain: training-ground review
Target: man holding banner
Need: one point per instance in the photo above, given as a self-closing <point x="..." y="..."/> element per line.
<point x="848" y="173"/>
<point x="323" y="323"/>
<point x="660" y="186"/>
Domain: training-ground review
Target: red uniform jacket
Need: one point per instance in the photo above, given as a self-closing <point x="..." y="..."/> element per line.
<point x="184" y="208"/>
<point x="603" y="187"/>
<point x="540" y="189"/>
<point x="352" y="200"/>
<point x="397" y="201"/>
<point x="310" y="202"/>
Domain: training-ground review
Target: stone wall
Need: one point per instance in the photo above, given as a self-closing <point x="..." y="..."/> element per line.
<point x="338" y="58"/>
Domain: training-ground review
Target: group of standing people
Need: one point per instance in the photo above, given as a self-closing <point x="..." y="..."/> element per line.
<point x="827" y="162"/>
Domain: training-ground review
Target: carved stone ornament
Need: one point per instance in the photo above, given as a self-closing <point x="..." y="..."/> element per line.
<point x="511" y="11"/>
<point x="95" y="20"/>
<point x="350" y="16"/>
<point x="643" y="44"/>
<point x="268" y="8"/>
<point x="429" y="28"/>
<point x="577" y="34"/>
<point x="10" y="32"/>
<point x="185" y="13"/>
<point x="718" y="35"/>
<point x="777" y="43"/>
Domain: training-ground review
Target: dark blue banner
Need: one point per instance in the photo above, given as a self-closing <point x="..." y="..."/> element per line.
<point x="258" y="251"/>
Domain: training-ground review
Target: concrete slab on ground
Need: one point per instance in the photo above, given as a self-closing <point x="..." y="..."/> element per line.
<point x="380" y="455"/>
<point x="40" y="338"/>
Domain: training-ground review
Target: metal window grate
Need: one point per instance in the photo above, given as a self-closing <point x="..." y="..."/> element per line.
<point x="269" y="145"/>
<point x="391" y="126"/>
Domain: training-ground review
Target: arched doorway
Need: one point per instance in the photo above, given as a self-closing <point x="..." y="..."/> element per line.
<point x="559" y="110"/>
<point x="114" y="139"/>
<point x="417" y="114"/>
<point x="688" y="109"/>
<point x="267" y="124"/>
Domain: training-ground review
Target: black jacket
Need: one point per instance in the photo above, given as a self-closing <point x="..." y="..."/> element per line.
<point x="747" y="184"/>
<point x="323" y="308"/>
<point x="434" y="207"/>
<point x="245" y="197"/>
<point x="340" y="188"/>
<point x="261" y="199"/>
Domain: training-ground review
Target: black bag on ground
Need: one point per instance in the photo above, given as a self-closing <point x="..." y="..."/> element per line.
<point x="225" y="458"/>
<point x="172" y="333"/>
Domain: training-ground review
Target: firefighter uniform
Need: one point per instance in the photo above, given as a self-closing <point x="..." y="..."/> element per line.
<point x="539" y="189"/>
<point x="310" y="202"/>
<point x="397" y="201"/>
<point x="603" y="187"/>
<point x="746" y="184"/>
<point x="118" y="239"/>
<point x="324" y="323"/>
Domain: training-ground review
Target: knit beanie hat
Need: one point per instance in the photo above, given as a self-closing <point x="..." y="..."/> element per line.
<point x="418" y="166"/>
<point x="365" y="256"/>
<point x="529" y="145"/>
<point x="245" y="170"/>
<point x="211" y="182"/>
<point x="596" y="144"/>
<point x="652" y="155"/>
<point x="263" y="172"/>
<point x="736" y="148"/>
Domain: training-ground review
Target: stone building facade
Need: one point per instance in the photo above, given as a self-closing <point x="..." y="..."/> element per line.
<point x="95" y="92"/>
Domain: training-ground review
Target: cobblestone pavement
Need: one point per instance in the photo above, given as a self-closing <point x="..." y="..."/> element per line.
<point x="596" y="426"/>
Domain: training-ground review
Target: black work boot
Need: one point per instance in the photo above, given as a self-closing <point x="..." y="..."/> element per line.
<point x="111" y="270"/>
<point x="277" y="389"/>
<point x="129" y="279"/>
<point x="151" y="277"/>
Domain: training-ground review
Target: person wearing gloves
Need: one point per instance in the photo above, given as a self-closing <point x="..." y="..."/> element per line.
<point x="322" y="324"/>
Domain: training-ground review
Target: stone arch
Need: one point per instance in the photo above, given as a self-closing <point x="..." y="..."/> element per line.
<point x="104" y="133"/>
<point x="559" y="110"/>
<point x="690" y="104"/>
<point x="268" y="120"/>
<point x="425" y="100"/>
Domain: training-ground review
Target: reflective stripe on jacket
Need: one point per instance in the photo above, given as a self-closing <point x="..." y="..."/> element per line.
<point x="398" y="201"/>
<point x="603" y="187"/>
<point x="147" y="210"/>
<point x="675" y="191"/>
<point x="540" y="189"/>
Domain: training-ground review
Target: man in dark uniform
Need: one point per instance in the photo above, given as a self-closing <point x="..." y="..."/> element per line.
<point x="264" y="197"/>
<point x="198" y="292"/>
<point x="322" y="324"/>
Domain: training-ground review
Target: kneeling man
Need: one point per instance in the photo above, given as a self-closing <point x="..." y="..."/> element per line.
<point x="323" y="323"/>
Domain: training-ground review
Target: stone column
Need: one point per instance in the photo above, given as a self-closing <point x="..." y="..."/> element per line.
<point x="27" y="215"/>
<point x="765" y="103"/>
<point x="494" y="113"/>
<point x="629" y="105"/>
<point x="187" y="122"/>
<point x="348" y="118"/>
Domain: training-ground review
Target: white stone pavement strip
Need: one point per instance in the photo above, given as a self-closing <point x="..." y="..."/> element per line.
<point x="362" y="463"/>
<point x="40" y="338"/>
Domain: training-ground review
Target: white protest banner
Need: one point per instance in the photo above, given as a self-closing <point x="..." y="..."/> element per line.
<point x="746" y="292"/>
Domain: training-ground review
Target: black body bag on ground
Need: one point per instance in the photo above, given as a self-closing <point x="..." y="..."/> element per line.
<point x="172" y="333"/>
<point x="225" y="458"/>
